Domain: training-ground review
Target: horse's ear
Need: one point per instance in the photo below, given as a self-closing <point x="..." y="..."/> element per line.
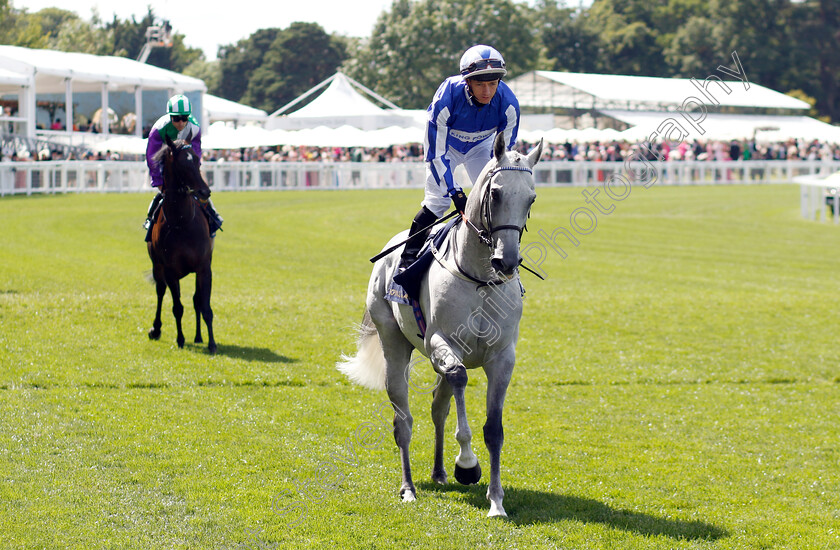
<point x="169" y="142"/>
<point x="499" y="146"/>
<point x="189" y="137"/>
<point x="534" y="155"/>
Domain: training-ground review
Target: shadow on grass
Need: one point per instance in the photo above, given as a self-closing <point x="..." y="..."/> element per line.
<point x="528" y="507"/>
<point x="248" y="353"/>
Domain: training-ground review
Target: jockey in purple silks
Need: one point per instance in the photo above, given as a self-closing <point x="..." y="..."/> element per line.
<point x="466" y="113"/>
<point x="177" y="123"/>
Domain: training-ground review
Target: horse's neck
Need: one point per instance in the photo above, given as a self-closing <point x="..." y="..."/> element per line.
<point x="178" y="205"/>
<point x="469" y="252"/>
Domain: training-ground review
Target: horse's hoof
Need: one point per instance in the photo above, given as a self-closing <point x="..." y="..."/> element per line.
<point x="198" y="340"/>
<point x="468" y="476"/>
<point x="440" y="477"/>
<point x="408" y="495"/>
<point x="181" y="344"/>
<point x="211" y="349"/>
<point x="154" y="334"/>
<point x="496" y="511"/>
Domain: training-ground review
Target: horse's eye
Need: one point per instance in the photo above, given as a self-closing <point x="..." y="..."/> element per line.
<point x="495" y="194"/>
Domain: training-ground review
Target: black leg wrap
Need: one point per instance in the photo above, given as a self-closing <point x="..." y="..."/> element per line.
<point x="468" y="476"/>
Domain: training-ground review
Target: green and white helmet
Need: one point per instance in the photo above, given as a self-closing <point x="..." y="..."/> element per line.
<point x="178" y="105"/>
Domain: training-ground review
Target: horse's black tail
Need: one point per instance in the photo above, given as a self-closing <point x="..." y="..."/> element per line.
<point x="367" y="367"/>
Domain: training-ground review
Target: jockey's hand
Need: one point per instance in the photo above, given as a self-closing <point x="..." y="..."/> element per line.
<point x="459" y="199"/>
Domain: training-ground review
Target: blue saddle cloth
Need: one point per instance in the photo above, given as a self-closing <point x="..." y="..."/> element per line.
<point x="411" y="277"/>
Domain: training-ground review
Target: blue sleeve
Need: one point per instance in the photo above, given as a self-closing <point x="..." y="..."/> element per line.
<point x="509" y="124"/>
<point x="437" y="135"/>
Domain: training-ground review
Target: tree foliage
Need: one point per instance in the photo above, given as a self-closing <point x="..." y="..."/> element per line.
<point x="783" y="44"/>
<point x="273" y="66"/>
<point x="58" y="29"/>
<point x="417" y="44"/>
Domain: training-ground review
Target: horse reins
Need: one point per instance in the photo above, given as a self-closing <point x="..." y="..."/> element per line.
<point x="485" y="234"/>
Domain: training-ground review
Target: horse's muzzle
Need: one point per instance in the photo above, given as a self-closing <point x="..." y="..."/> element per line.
<point x="500" y="265"/>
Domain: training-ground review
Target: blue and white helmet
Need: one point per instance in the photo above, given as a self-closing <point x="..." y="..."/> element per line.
<point x="483" y="63"/>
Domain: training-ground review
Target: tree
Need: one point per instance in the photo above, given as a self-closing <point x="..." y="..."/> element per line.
<point x="570" y="42"/>
<point x="19" y="28"/>
<point x="628" y="36"/>
<point x="300" y="57"/>
<point x="77" y="35"/>
<point x="208" y="71"/>
<point x="238" y="62"/>
<point x="816" y="66"/>
<point x="418" y="44"/>
<point x="695" y="49"/>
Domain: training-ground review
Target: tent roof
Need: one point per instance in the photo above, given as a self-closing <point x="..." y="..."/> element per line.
<point x="733" y="126"/>
<point x="11" y="81"/>
<point x="339" y="99"/>
<point x="601" y="91"/>
<point x="49" y="69"/>
<point x="341" y="104"/>
<point x="219" y="108"/>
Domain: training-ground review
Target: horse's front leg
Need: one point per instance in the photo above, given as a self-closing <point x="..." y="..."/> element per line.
<point x="499" y="370"/>
<point x="177" y="308"/>
<point x="440" y="410"/>
<point x="203" y="295"/>
<point x="160" y="289"/>
<point x="197" y="306"/>
<point x="467" y="469"/>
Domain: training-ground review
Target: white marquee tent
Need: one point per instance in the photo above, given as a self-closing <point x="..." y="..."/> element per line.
<point x="645" y="103"/>
<point x="29" y="73"/>
<point x="218" y="108"/>
<point x="552" y="89"/>
<point x="342" y="104"/>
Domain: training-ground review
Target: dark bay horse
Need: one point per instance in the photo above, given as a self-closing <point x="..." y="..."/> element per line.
<point x="181" y="242"/>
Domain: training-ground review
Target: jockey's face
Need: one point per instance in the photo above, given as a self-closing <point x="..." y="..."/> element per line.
<point x="483" y="92"/>
<point x="179" y="122"/>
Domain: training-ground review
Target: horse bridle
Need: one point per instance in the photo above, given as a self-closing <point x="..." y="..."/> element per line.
<point x="487" y="231"/>
<point x="186" y="189"/>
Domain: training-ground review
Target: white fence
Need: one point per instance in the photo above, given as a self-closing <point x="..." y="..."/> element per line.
<point x="820" y="198"/>
<point x="121" y="176"/>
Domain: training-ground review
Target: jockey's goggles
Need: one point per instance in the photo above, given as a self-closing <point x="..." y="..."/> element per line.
<point x="483" y="64"/>
<point x="179" y="118"/>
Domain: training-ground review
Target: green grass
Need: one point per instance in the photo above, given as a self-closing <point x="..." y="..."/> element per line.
<point x="676" y="386"/>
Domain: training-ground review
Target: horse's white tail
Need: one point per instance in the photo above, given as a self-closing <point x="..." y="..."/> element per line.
<point x="367" y="367"/>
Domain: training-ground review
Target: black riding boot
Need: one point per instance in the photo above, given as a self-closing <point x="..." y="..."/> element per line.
<point x="423" y="218"/>
<point x="151" y="215"/>
<point x="213" y="218"/>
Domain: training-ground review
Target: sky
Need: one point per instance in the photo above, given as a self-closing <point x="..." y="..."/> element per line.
<point x="207" y="24"/>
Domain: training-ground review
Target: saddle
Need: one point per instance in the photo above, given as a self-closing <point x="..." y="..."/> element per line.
<point x="410" y="278"/>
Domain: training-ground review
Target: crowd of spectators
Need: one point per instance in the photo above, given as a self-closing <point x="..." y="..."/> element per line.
<point x="596" y="151"/>
<point x="792" y="149"/>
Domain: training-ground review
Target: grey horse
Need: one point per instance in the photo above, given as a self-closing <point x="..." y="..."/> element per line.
<point x="471" y="298"/>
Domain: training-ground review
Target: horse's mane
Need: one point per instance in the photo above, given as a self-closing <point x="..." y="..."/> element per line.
<point x="165" y="150"/>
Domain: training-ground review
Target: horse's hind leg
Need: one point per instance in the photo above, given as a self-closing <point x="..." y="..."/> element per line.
<point x="440" y="410"/>
<point x="397" y="353"/>
<point x="197" y="307"/>
<point x="201" y="301"/>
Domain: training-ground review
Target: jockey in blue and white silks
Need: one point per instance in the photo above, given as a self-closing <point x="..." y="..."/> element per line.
<point x="466" y="113"/>
<point x="459" y="130"/>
